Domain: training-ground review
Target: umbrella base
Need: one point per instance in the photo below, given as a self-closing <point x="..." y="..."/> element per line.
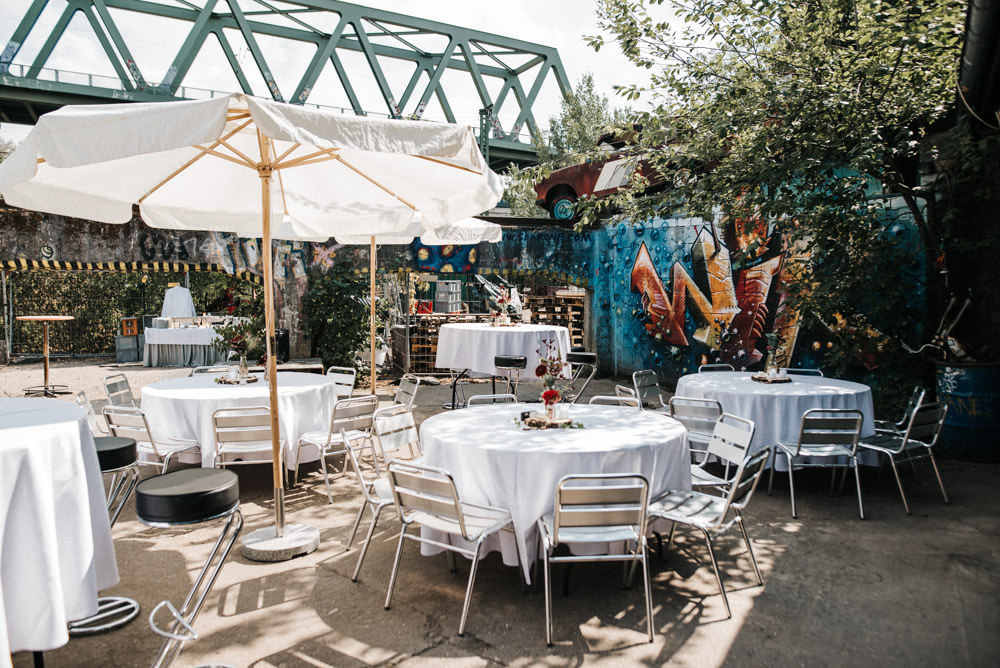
<point x="264" y="544"/>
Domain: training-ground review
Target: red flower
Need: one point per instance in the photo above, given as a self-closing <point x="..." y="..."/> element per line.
<point x="550" y="396"/>
<point x="541" y="370"/>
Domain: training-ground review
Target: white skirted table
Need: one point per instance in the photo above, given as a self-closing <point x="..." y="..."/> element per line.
<point x="182" y="408"/>
<point x="180" y="346"/>
<point x="777" y="408"/>
<point x="494" y="461"/>
<point x="471" y="346"/>
<point x="55" y="536"/>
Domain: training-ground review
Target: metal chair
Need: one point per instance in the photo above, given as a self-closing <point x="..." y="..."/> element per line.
<point x="118" y="390"/>
<point x="395" y="429"/>
<point x="351" y="416"/>
<point x="406" y="393"/>
<point x="716" y="367"/>
<point x="610" y="400"/>
<point x="491" y="399"/>
<point x="897" y="427"/>
<point x="512" y="365"/>
<point x="344" y="379"/>
<point x="376" y="495"/>
<point x="731" y="437"/>
<point x="647" y="389"/>
<point x="916" y="442"/>
<point x="699" y="417"/>
<point x="97" y="425"/>
<point x="240" y="432"/>
<point x="584" y="367"/>
<point x="426" y="496"/>
<point x="595" y="510"/>
<point x="830" y="434"/>
<point x="217" y="368"/>
<point x="803" y="372"/>
<point x="128" y="422"/>
<point x="118" y="458"/>
<point x="714" y="515"/>
<point x="180" y="499"/>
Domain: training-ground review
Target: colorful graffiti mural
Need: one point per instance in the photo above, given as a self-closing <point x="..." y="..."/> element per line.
<point x="445" y="259"/>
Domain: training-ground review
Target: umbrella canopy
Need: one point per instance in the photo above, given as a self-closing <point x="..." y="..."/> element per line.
<point x="236" y="163"/>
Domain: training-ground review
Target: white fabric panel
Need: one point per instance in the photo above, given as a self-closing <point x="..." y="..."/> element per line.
<point x="55" y="537"/>
<point x="182" y="408"/>
<point x="473" y="346"/>
<point x="177" y="303"/>
<point x="189" y="336"/>
<point x="494" y="461"/>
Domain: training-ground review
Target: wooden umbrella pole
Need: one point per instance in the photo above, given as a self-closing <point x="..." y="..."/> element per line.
<point x="371" y="310"/>
<point x="264" y="170"/>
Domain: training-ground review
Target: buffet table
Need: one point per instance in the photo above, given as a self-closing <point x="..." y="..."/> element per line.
<point x="180" y="346"/>
<point x="55" y="536"/>
<point x="496" y="462"/>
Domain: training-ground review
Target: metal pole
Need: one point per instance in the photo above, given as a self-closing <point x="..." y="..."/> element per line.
<point x="371" y="306"/>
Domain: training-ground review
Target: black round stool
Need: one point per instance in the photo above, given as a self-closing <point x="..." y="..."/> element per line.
<point x="584" y="368"/>
<point x="117" y="457"/>
<point x="190" y="496"/>
<point x="512" y="364"/>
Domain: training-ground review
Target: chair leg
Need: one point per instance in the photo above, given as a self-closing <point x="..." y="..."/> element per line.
<point x="468" y="588"/>
<point x="357" y="523"/>
<point x="718" y="576"/>
<point x="326" y="476"/>
<point x="774" y="465"/>
<point x="938" y="474"/>
<point x="648" y="590"/>
<point x="395" y="567"/>
<point x="791" y="486"/>
<point x="185" y="617"/>
<point x="857" y="481"/>
<point x="548" y="597"/>
<point x="121" y="490"/>
<point x="368" y="540"/>
<point x="298" y="457"/>
<point x="753" y="557"/>
<point x="899" y="483"/>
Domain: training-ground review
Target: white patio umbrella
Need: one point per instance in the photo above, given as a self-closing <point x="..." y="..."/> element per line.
<point x="460" y="232"/>
<point x="234" y="164"/>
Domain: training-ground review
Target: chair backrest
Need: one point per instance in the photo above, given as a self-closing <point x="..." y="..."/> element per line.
<point x="915" y="400"/>
<point x="118" y="390"/>
<point x="830" y="426"/>
<point x="241" y="426"/>
<point x="647" y="387"/>
<point x="218" y="368"/>
<point x="396" y="428"/>
<point x="355" y="413"/>
<point x="803" y="372"/>
<point x="588" y="504"/>
<point x="97" y="425"/>
<point x="491" y="399"/>
<point x="129" y="422"/>
<point x="730" y="438"/>
<point x="609" y="400"/>
<point x="344" y="378"/>
<point x="697" y="415"/>
<point x="925" y="423"/>
<point x="425" y="490"/>
<point x="715" y="367"/>
<point x="407" y="390"/>
<point x="745" y="481"/>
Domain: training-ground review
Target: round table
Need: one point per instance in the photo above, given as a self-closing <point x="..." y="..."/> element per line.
<point x="471" y="346"/>
<point x="495" y="461"/>
<point x="777" y="408"/>
<point x="182" y="408"/>
<point x="45" y="390"/>
<point x="55" y="536"/>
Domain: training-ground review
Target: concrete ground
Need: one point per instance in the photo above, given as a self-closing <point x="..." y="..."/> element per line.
<point x="891" y="590"/>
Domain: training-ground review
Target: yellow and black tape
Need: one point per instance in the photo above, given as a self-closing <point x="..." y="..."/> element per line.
<point x="23" y="264"/>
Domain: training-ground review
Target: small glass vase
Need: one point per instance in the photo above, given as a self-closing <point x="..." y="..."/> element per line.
<point x="244" y="367"/>
<point x="550" y="412"/>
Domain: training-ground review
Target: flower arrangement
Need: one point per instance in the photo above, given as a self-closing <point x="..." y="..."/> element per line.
<point x="501" y="314"/>
<point x="774" y="341"/>
<point x="550" y="366"/>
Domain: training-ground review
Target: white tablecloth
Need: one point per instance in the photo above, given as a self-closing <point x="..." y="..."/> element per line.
<point x="177" y="303"/>
<point x="180" y="346"/>
<point x="494" y="461"/>
<point x="55" y="537"/>
<point x="183" y="407"/>
<point x="777" y="408"/>
<point x="473" y="346"/>
<point x="180" y="336"/>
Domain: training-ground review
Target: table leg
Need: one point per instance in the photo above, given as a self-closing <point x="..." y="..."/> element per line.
<point x="454" y="386"/>
<point x="45" y="352"/>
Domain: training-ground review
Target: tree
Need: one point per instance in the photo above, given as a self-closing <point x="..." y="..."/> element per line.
<point x="584" y="116"/>
<point x="811" y="116"/>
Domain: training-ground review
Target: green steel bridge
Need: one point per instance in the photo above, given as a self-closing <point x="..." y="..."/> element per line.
<point x="373" y="62"/>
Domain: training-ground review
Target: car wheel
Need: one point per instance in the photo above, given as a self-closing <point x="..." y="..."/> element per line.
<point x="563" y="207"/>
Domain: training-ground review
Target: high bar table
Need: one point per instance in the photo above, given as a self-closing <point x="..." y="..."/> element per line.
<point x="45" y="390"/>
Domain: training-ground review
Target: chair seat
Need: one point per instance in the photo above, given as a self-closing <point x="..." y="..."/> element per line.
<point x="510" y="361"/>
<point x="187" y="496"/>
<point x="115" y="452"/>
<point x="253" y="446"/>
<point x="702" y="478"/>
<point x="166" y="446"/>
<point x="890" y="444"/>
<point x="815" y="450"/>
<point x="695" y="508"/>
<point x="602" y="534"/>
<point x="479" y="520"/>
<point x="318" y="438"/>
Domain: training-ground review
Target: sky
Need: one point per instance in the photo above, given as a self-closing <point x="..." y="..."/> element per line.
<point x="557" y="23"/>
